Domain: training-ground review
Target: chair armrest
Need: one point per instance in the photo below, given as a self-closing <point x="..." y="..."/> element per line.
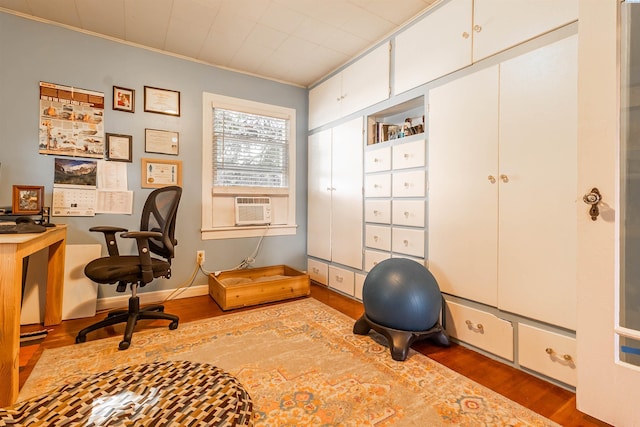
<point x="110" y="237"/>
<point x="142" y="240"/>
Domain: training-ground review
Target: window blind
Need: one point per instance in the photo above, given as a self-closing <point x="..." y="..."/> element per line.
<point x="249" y="150"/>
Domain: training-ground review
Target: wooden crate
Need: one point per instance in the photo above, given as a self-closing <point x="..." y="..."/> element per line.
<point x="241" y="288"/>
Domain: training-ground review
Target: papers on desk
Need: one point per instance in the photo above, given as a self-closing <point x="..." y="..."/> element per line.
<point x="109" y="194"/>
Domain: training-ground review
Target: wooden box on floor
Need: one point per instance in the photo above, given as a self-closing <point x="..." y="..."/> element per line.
<point x="241" y="288"/>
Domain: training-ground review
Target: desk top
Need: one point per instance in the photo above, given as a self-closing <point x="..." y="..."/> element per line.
<point x="26" y="237"/>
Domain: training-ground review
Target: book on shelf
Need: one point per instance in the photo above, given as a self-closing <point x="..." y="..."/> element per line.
<point x="389" y="131"/>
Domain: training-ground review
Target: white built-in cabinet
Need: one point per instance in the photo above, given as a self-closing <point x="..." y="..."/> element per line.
<point x="358" y="86"/>
<point x="502" y="204"/>
<point x="335" y="222"/>
<point x="461" y="32"/>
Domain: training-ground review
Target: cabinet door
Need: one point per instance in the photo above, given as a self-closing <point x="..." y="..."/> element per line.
<point x="463" y="229"/>
<point x="538" y="154"/>
<point x="346" y="201"/>
<point x="319" y="195"/>
<point x="437" y="45"/>
<point x="499" y="24"/>
<point x="324" y="102"/>
<point x="366" y="81"/>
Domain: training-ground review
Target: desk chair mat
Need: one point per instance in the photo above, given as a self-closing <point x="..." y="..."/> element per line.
<point x="153" y="394"/>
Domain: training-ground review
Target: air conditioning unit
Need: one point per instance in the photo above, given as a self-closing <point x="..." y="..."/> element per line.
<point x="253" y="210"/>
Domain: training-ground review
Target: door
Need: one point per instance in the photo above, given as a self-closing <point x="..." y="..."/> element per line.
<point x="538" y="172"/>
<point x="347" y="198"/>
<point x="607" y="386"/>
<point x="463" y="186"/>
<point x="319" y="195"/>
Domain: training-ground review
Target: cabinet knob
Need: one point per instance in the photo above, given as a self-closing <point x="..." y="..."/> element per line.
<point x="376" y="212"/>
<point x="406" y="242"/>
<point x="492" y="179"/>
<point x="504" y="178"/>
<point x="406" y="214"/>
<point x="375" y="238"/>
<point x="477" y="28"/>
<point x="465" y="35"/>
<point x="407" y="155"/>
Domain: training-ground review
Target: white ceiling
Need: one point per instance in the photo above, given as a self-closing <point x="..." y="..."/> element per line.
<point x="294" y="41"/>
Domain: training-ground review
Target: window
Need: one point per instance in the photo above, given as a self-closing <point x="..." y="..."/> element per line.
<point x="248" y="150"/>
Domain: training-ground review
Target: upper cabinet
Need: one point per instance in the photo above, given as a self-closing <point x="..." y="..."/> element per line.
<point x="462" y="32"/>
<point x="360" y="85"/>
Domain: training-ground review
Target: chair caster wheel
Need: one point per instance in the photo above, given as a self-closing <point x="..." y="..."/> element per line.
<point x="124" y="345"/>
<point x="173" y="325"/>
<point x="81" y="339"/>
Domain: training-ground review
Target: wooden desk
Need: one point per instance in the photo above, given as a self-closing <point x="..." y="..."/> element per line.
<point x="13" y="249"/>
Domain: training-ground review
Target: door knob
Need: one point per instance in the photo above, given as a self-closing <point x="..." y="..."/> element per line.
<point x="593" y="198"/>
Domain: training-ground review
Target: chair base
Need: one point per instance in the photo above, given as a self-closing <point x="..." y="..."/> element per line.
<point x="130" y="317"/>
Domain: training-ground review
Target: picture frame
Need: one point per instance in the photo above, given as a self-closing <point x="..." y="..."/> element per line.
<point x="119" y="147"/>
<point x="27" y="199"/>
<point x="157" y="173"/>
<point x="161" y="141"/>
<point x="124" y="99"/>
<point x="161" y="101"/>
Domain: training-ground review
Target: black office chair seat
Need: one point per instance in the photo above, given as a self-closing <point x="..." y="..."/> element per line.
<point x="109" y="270"/>
<point x="156" y="236"/>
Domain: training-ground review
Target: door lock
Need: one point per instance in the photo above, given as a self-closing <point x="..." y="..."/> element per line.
<point x="593" y="198"/>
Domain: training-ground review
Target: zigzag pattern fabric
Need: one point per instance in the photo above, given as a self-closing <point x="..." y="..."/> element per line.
<point x="153" y="394"/>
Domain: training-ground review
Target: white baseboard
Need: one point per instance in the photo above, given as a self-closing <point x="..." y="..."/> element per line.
<point x="112" y="303"/>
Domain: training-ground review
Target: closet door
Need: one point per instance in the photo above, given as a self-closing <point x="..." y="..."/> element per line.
<point x="463" y="186"/>
<point x="538" y="156"/>
<point x="319" y="195"/>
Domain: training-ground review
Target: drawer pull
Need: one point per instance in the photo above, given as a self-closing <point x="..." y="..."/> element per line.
<point x="407" y="184"/>
<point x="377" y="186"/>
<point x="376" y="160"/>
<point x="339" y="279"/>
<point x="406" y="242"/>
<point x="406" y="214"/>
<point x="566" y="357"/>
<point x="315" y="270"/>
<point x="375" y="238"/>
<point x="376" y="213"/>
<point x="407" y="155"/>
<point x="478" y="327"/>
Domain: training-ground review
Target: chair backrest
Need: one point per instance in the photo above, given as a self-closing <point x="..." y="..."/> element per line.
<point x="159" y="214"/>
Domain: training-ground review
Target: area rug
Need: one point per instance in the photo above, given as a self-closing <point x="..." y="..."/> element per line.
<point x="302" y="366"/>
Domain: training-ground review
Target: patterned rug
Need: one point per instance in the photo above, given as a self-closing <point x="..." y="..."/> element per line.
<point x="302" y="366"/>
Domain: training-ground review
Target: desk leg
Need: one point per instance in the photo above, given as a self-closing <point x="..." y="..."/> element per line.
<point x="10" y="293"/>
<point x="55" y="284"/>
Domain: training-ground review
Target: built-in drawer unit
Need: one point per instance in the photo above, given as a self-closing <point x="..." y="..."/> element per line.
<point x="480" y="329"/>
<point x="341" y="280"/>
<point x="378" y="211"/>
<point x="408" y="212"/>
<point x="408" y="241"/>
<point x="373" y="258"/>
<point x="377" y="237"/>
<point x="318" y="271"/>
<point x="409" y="155"/>
<point x="548" y="353"/>
<point x="409" y="184"/>
<point x="359" y="284"/>
<point x="377" y="160"/>
<point x="378" y="185"/>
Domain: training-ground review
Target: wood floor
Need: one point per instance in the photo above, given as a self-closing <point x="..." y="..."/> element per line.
<point x="540" y="396"/>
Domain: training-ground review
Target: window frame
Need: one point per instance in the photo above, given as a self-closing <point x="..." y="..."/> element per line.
<point x="284" y="196"/>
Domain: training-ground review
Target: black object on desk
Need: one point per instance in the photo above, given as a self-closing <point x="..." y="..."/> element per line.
<point x="22" y="225"/>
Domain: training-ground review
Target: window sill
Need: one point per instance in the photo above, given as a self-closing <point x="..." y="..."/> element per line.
<point x="248" y="231"/>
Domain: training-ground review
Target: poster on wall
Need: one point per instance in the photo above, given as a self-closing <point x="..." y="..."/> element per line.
<point x="71" y="121"/>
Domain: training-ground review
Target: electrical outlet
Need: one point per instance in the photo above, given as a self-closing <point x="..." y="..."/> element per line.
<point x="200" y="257"/>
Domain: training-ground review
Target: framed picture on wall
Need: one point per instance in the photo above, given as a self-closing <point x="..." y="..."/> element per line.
<point x="27" y="199"/>
<point x="161" y="141"/>
<point x="158" y="173"/>
<point x="119" y="147"/>
<point x="161" y="101"/>
<point x="124" y="99"/>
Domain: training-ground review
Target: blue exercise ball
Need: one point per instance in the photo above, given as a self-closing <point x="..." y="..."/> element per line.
<point x="402" y="294"/>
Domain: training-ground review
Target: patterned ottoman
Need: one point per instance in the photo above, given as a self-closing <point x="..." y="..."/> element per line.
<point x="154" y="394"/>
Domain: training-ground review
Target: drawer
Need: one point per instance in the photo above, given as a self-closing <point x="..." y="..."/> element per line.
<point x="480" y="329"/>
<point x="341" y="280"/>
<point x="372" y="258"/>
<point x="377" y="160"/>
<point x="377" y="237"/>
<point x="317" y="271"/>
<point x="408" y="241"/>
<point x="548" y="353"/>
<point x="409" y="184"/>
<point x="408" y="212"/>
<point x="409" y="155"/>
<point x="377" y="185"/>
<point x="377" y="211"/>
<point x="359" y="284"/>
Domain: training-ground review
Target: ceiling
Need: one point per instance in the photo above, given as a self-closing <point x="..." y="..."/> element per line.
<point x="293" y="41"/>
